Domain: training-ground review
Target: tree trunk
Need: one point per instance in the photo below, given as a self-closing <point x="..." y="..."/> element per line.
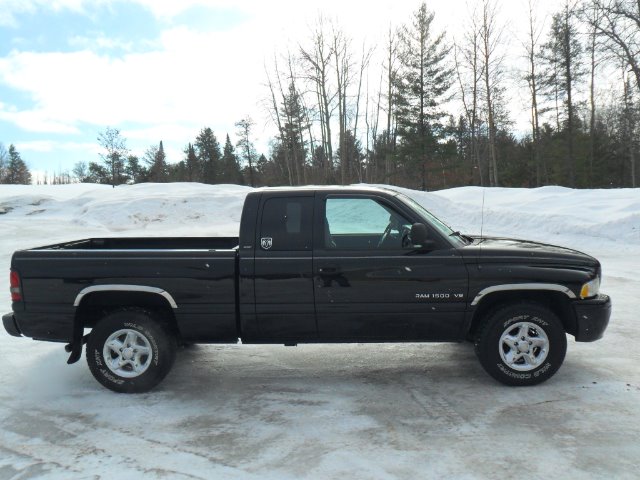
<point x="592" y="105"/>
<point x="570" y="120"/>
<point x="533" y="85"/>
<point x="487" y="38"/>
<point x="423" y="130"/>
<point x="388" y="136"/>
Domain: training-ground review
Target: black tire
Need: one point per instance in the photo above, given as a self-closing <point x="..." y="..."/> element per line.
<point x="529" y="367"/>
<point x="142" y="333"/>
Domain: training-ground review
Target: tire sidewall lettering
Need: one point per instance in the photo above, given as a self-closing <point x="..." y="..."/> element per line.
<point x="112" y="378"/>
<point x="97" y="358"/>
<point x="542" y="369"/>
<point x="513" y="374"/>
<point x="525" y="318"/>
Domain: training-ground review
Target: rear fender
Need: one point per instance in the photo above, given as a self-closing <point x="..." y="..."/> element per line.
<point x="92" y="303"/>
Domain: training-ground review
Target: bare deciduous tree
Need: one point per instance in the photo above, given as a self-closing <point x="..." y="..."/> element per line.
<point x="469" y="72"/>
<point x="116" y="150"/>
<point x="317" y="59"/>
<point x="493" y="72"/>
<point x="618" y="23"/>
<point x="532" y="78"/>
<point x="245" y="145"/>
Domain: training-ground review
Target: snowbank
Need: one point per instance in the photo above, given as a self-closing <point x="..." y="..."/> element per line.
<point x="548" y="213"/>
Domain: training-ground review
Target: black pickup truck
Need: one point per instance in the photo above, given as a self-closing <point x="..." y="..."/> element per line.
<point x="311" y="265"/>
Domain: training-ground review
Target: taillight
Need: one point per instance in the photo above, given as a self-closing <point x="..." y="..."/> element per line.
<point x="14" y="281"/>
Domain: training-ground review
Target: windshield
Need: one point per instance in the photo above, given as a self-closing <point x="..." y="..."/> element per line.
<point x="432" y="220"/>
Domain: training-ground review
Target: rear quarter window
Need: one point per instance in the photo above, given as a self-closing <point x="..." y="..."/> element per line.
<point x="288" y="222"/>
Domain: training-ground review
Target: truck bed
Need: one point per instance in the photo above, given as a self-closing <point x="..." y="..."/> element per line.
<point x="198" y="272"/>
<point x="147" y="243"/>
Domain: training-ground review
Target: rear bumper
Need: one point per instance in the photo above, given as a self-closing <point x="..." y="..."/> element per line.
<point x="10" y="325"/>
<point x="592" y="318"/>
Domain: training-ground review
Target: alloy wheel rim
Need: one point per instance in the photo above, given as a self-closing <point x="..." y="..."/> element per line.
<point x="523" y="346"/>
<point x="127" y="353"/>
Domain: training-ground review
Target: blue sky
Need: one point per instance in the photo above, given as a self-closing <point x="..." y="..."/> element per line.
<point x="164" y="69"/>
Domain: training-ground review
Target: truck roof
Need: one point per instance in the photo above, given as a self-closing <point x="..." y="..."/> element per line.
<point x="340" y="188"/>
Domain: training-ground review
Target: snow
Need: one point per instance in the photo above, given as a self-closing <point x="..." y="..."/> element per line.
<point x="326" y="411"/>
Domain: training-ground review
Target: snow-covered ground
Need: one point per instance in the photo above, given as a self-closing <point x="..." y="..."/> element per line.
<point x="326" y="411"/>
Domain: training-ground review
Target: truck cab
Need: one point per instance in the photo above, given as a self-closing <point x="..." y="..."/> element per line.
<point x="333" y="265"/>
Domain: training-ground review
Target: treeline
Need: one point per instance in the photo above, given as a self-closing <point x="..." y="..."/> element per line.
<point x="425" y="110"/>
<point x="204" y="161"/>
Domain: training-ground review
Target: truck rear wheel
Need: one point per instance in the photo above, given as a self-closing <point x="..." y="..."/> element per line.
<point x="521" y="344"/>
<point x="129" y="351"/>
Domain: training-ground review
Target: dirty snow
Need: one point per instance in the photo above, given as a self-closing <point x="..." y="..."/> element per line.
<point x="326" y="411"/>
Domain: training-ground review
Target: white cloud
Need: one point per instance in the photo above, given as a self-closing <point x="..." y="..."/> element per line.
<point x="10" y="8"/>
<point x="168" y="132"/>
<point x="36" y="121"/>
<point x="167" y="9"/>
<point x="192" y="78"/>
<point x="191" y="73"/>
<point x="52" y="145"/>
<point x="100" y="41"/>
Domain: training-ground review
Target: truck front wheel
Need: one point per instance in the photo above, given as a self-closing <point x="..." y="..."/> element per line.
<point x="521" y="344"/>
<point x="129" y="351"/>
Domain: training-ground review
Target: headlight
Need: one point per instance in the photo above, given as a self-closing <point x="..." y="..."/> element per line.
<point x="590" y="289"/>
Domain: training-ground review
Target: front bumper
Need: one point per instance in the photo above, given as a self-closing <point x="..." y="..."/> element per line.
<point x="592" y="317"/>
<point x="10" y="325"/>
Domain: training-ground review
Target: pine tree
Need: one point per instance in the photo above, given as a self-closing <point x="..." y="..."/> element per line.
<point x="177" y="172"/>
<point x="319" y="167"/>
<point x="157" y="160"/>
<point x="98" y="174"/>
<point x="4" y="159"/>
<point x="352" y="154"/>
<point x="191" y="165"/>
<point x="562" y="55"/>
<point x="136" y="172"/>
<point x="17" y="172"/>
<point x="292" y="138"/>
<point x="230" y="166"/>
<point x="208" y="153"/>
<point x="422" y="85"/>
<point x="264" y="170"/>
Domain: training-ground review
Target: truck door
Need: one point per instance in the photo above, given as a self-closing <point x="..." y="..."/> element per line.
<point x="284" y="296"/>
<point x="371" y="285"/>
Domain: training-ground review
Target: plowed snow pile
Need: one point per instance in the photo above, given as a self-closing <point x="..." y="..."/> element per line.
<point x="326" y="411"/>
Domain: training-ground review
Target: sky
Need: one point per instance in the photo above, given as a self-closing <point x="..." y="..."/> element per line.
<point x="164" y="69"/>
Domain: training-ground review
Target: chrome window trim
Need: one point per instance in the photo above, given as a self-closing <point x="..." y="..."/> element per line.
<point x="125" y="288"/>
<point x="133" y="250"/>
<point x="523" y="286"/>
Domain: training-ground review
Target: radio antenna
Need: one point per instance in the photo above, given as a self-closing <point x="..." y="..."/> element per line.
<point x="481" y="228"/>
<point x="482" y="213"/>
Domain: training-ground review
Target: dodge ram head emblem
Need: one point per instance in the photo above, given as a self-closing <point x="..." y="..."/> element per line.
<point x="266" y="242"/>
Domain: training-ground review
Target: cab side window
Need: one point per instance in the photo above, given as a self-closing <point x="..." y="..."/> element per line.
<point x="287" y="224"/>
<point x="363" y="224"/>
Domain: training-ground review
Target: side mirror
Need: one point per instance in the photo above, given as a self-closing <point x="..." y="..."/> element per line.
<point x="420" y="237"/>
